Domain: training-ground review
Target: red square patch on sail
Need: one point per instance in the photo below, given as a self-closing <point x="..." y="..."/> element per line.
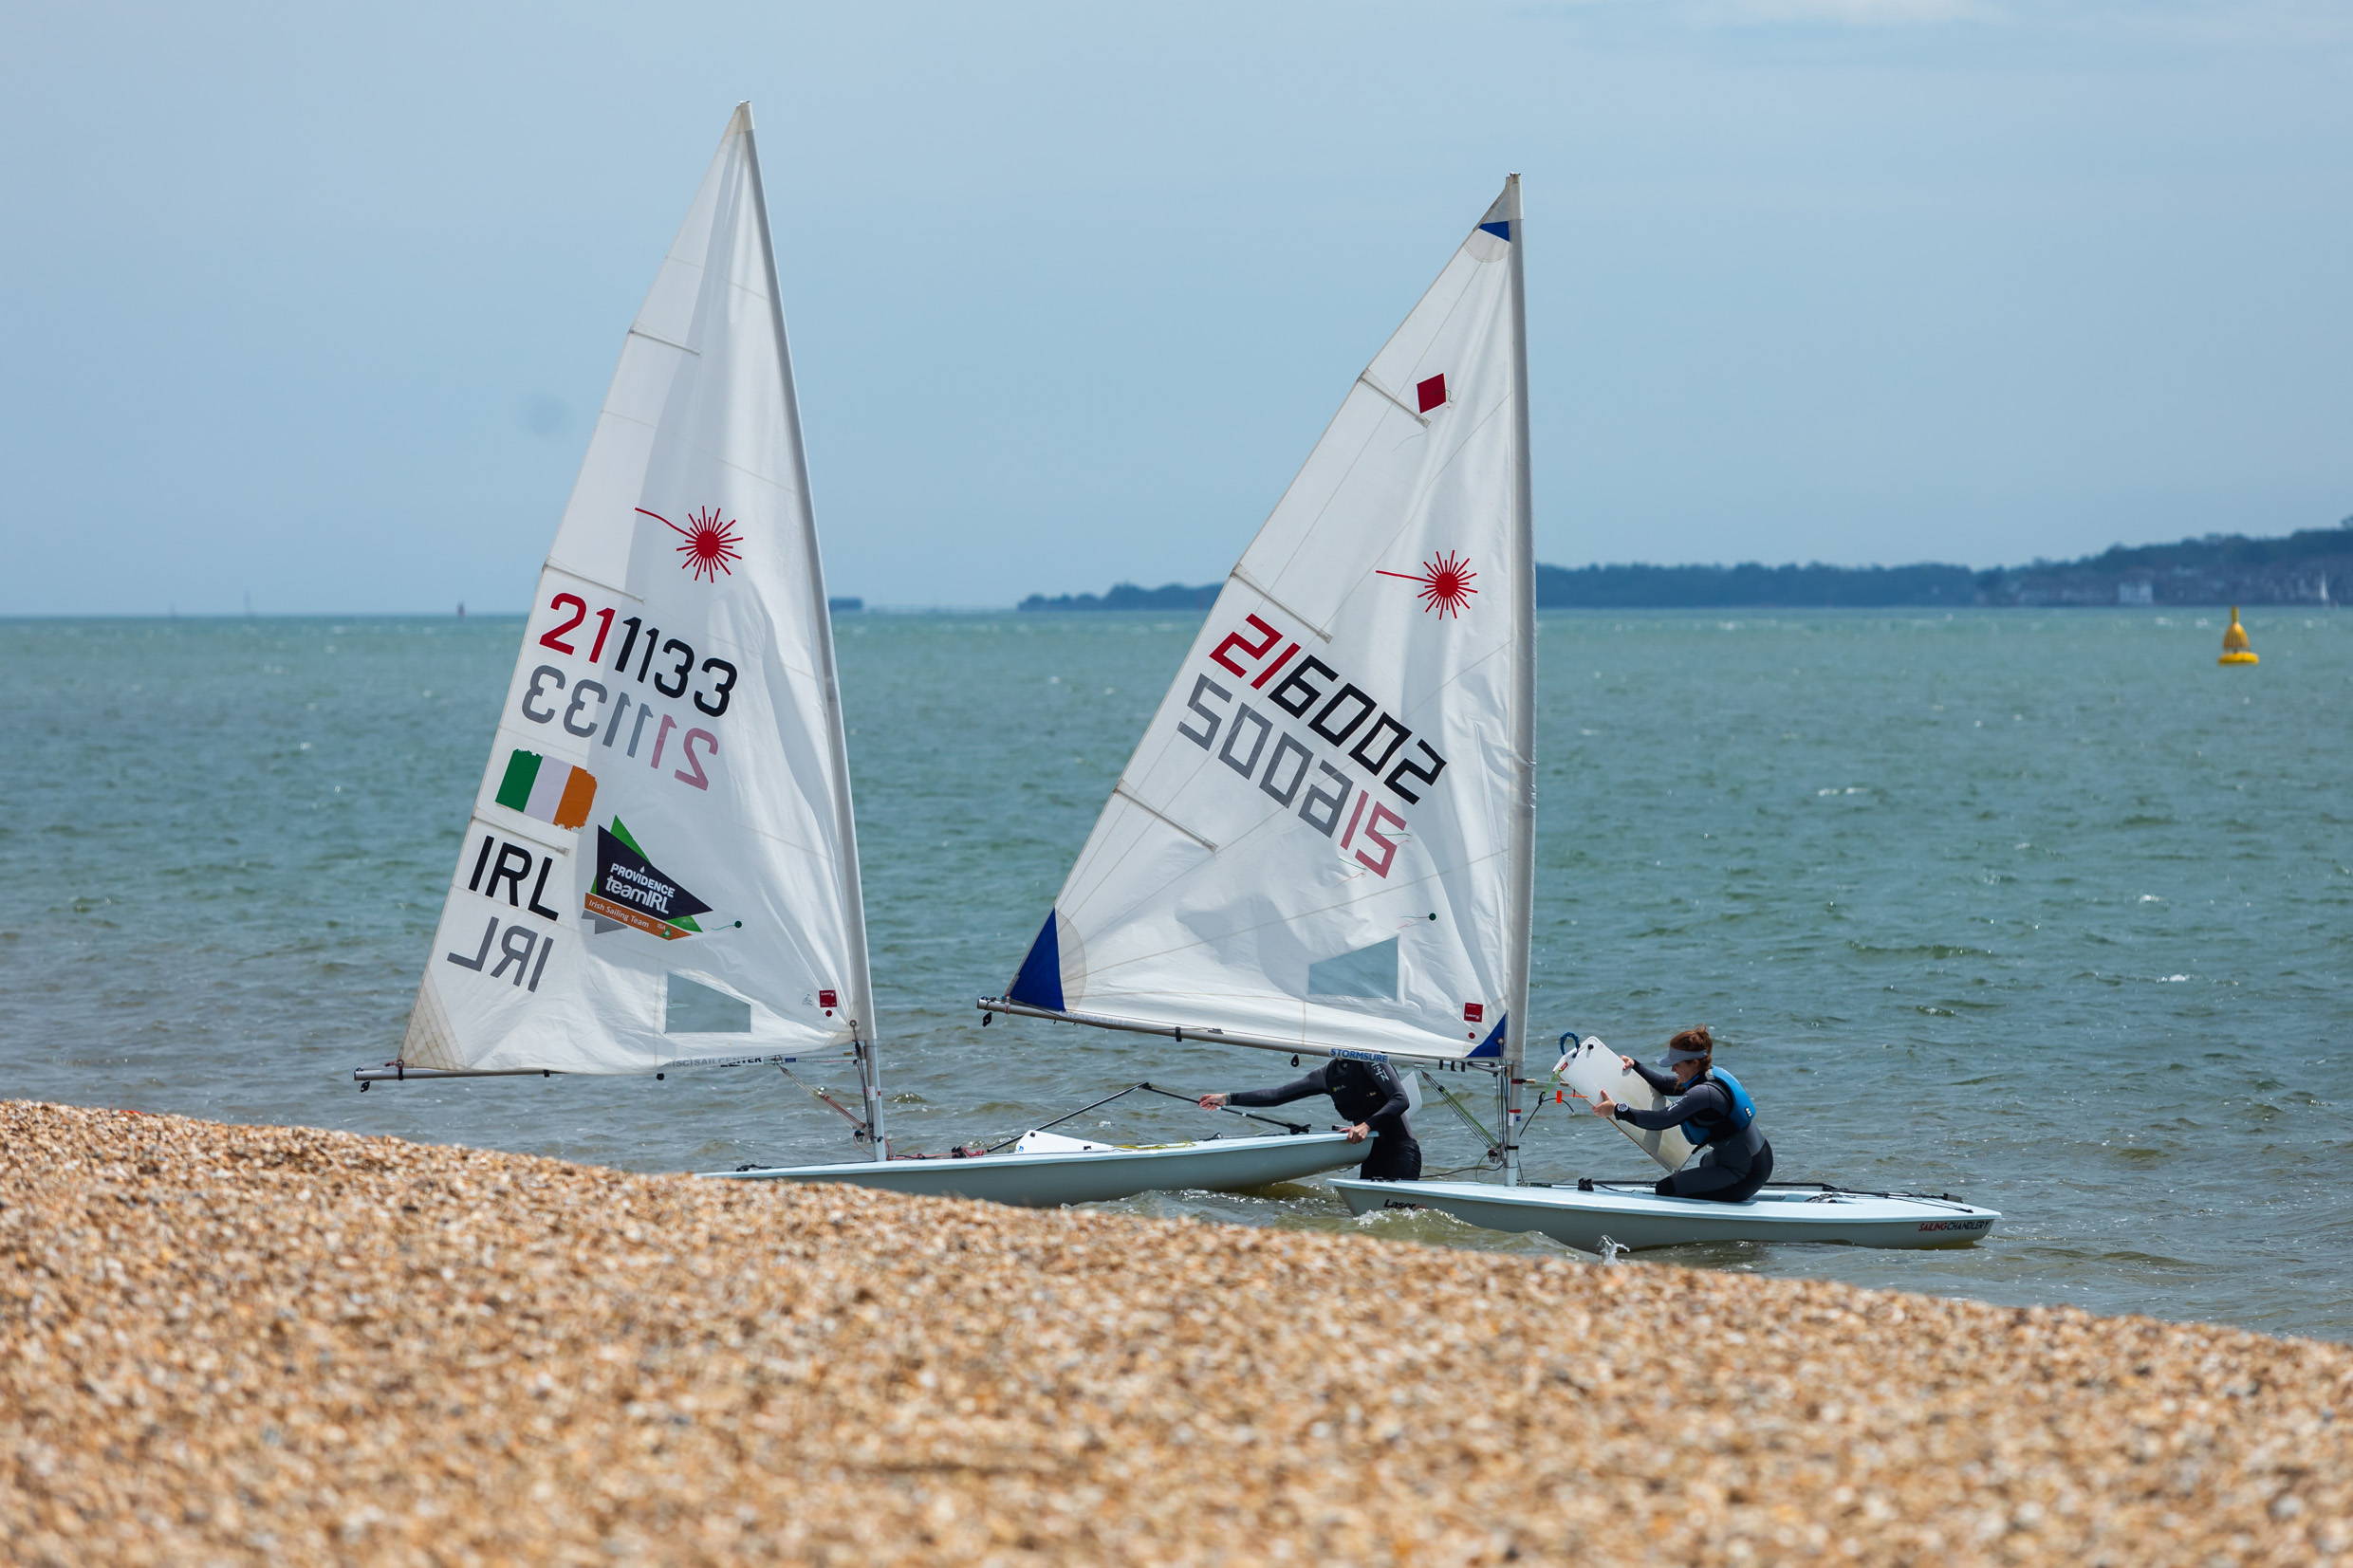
<point x="826" y="999"/>
<point x="1474" y="1013"/>
<point x="1432" y="392"/>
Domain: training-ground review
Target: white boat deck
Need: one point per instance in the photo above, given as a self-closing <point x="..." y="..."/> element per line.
<point x="1634" y="1217"/>
<point x="1096" y="1176"/>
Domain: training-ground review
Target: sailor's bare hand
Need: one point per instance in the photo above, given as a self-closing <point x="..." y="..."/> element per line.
<point x="1213" y="1102"/>
<point x="1359" y="1132"/>
<point x="1627" y="1063"/>
<point x="1604" y="1106"/>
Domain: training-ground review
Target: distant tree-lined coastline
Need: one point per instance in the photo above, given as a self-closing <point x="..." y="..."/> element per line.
<point x="1169" y="595"/>
<point x="2314" y="566"/>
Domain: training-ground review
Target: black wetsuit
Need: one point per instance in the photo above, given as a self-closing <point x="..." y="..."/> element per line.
<point x="1368" y="1092"/>
<point x="1730" y="1167"/>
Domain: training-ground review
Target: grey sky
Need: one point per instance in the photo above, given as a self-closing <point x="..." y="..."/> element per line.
<point x="318" y="303"/>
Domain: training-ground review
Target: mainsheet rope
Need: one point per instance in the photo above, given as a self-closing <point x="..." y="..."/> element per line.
<point x="1148" y="1087"/>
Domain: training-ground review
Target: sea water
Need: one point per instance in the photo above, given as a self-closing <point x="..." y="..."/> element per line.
<point x="2045" y="910"/>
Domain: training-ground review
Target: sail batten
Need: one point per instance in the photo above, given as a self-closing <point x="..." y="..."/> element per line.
<point x="660" y="867"/>
<point x="1314" y="846"/>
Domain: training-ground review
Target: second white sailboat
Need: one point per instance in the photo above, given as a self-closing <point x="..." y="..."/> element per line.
<point x="1321" y="844"/>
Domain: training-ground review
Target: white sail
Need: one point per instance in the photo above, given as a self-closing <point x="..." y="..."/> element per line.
<point x="659" y="868"/>
<point x="1322" y="842"/>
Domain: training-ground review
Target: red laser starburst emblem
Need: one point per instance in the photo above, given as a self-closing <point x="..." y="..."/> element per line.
<point x="1445" y="583"/>
<point x="710" y="541"/>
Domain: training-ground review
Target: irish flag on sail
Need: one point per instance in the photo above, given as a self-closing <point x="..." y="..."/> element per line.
<point x="1323" y="841"/>
<point x="555" y="793"/>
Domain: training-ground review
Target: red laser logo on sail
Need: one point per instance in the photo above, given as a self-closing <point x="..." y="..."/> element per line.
<point x="1445" y="583"/>
<point x="709" y="541"/>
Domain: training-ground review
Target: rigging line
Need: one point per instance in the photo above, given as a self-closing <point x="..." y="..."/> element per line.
<point x="1196" y="1099"/>
<point x="1456" y="1106"/>
<point x="1532" y="1115"/>
<point x="855" y="1119"/>
<point x="1121" y="790"/>
<point x="1059" y="1120"/>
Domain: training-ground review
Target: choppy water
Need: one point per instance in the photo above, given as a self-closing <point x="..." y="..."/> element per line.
<point x="2044" y="910"/>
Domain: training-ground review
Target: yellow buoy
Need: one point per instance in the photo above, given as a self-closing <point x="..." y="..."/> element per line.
<point x="2234" y="648"/>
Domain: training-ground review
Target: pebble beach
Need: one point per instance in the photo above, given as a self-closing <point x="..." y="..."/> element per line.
<point x="247" y="1344"/>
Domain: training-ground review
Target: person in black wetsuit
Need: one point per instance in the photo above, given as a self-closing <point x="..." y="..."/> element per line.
<point x="1372" y="1098"/>
<point x="1731" y="1166"/>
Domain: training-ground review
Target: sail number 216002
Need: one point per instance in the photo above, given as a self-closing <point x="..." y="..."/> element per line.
<point x="1291" y="771"/>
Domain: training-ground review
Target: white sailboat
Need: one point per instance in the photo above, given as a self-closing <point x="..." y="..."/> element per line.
<point x="1321" y="846"/>
<point x="1321" y="843"/>
<point x="1324" y="844"/>
<point x="1598" y="1215"/>
<point x="660" y="868"/>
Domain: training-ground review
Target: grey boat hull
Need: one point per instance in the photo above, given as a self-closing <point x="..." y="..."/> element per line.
<point x="1049" y="1180"/>
<point x="1635" y="1218"/>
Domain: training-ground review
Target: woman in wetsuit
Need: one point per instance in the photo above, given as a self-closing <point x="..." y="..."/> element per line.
<point x="1369" y="1095"/>
<point x="1715" y="1113"/>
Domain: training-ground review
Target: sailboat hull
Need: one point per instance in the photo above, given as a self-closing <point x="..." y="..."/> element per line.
<point x="1049" y="1180"/>
<point x="1635" y="1218"/>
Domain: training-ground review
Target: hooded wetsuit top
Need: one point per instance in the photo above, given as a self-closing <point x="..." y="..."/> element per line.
<point x="1369" y="1092"/>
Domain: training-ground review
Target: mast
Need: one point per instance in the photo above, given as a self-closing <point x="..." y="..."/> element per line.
<point x="1520" y="896"/>
<point x="859" y="981"/>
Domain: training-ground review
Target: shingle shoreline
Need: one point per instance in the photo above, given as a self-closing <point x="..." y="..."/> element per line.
<point x="244" y="1344"/>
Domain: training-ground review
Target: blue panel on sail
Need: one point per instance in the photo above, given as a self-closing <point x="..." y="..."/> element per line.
<point x="1039" y="984"/>
<point x="1502" y="232"/>
<point x="1492" y="1044"/>
<point x="1367" y="972"/>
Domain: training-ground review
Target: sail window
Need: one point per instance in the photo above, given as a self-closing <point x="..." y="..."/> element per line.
<point x="1367" y="972"/>
<point x="697" y="1010"/>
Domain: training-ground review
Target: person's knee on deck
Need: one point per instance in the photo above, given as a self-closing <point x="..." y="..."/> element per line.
<point x="1734" y="1161"/>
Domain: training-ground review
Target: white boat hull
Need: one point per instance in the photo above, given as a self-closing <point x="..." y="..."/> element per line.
<point x="1635" y="1218"/>
<point x="1048" y="1180"/>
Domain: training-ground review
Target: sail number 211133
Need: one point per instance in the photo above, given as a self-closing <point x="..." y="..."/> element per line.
<point x="589" y="710"/>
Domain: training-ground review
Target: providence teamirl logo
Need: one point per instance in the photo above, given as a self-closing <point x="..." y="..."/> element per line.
<point x="631" y="891"/>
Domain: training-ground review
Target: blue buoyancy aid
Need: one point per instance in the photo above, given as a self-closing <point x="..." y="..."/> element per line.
<point x="1743" y="1112"/>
